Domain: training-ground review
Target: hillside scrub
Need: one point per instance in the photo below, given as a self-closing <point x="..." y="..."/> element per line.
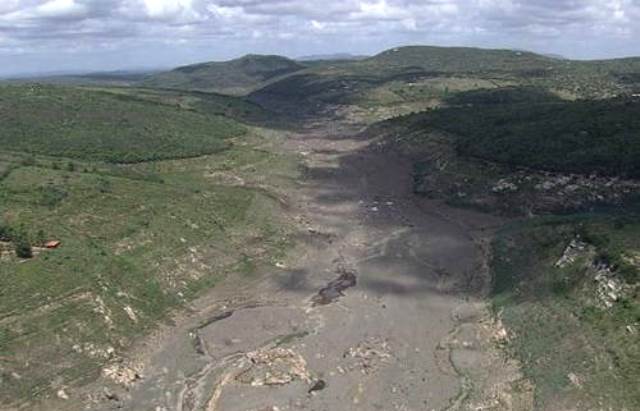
<point x="97" y="126"/>
<point x="601" y="136"/>
<point x="235" y="77"/>
<point x="545" y="304"/>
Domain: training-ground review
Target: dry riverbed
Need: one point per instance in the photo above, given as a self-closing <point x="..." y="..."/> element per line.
<point x="380" y="307"/>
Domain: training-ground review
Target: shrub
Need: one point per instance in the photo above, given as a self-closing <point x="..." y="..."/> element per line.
<point x="22" y="245"/>
<point x="5" y="231"/>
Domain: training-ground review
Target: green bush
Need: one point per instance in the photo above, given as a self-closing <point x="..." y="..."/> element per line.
<point x="22" y="245"/>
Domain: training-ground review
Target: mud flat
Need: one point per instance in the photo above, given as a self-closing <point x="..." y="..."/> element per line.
<point x="380" y="308"/>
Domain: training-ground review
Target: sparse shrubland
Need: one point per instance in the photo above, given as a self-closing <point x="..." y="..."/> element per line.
<point x="571" y="344"/>
<point x="139" y="237"/>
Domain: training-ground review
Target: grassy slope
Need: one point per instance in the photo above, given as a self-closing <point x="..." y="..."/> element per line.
<point x="208" y="103"/>
<point x="236" y="77"/>
<point x="93" y="125"/>
<point x="149" y="236"/>
<point x="558" y="330"/>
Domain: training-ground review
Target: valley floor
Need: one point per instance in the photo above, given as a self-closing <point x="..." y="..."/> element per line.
<point x="380" y="306"/>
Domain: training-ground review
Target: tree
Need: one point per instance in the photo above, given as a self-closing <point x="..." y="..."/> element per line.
<point x="21" y="245"/>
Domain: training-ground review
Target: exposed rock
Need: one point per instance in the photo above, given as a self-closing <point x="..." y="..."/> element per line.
<point x="575" y="380"/>
<point x="504" y="186"/>
<point x="102" y="309"/>
<point x="277" y="366"/>
<point x="574" y="250"/>
<point x="122" y="373"/>
<point x="130" y="313"/>
<point x="368" y="355"/>
<point x="92" y="351"/>
<point x="609" y="288"/>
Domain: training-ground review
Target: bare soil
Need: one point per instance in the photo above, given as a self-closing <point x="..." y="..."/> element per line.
<point x="379" y="308"/>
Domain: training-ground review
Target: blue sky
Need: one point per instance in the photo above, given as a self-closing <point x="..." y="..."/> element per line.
<point x="39" y="36"/>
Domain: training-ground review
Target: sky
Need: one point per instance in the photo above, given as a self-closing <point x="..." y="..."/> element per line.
<point x="47" y="36"/>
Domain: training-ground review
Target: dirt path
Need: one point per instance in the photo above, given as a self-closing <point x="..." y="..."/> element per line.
<point x="381" y="311"/>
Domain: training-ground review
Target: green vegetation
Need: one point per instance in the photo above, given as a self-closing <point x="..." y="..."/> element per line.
<point x="461" y="60"/>
<point x="19" y="239"/>
<point x="107" y="78"/>
<point x="529" y="128"/>
<point x="401" y="77"/>
<point x="164" y="219"/>
<point x="236" y="77"/>
<point x="509" y="95"/>
<point x="98" y="126"/>
<point x="205" y="103"/>
<point x="126" y="242"/>
<point x="571" y="346"/>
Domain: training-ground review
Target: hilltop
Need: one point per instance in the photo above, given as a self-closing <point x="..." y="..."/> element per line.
<point x="235" y="77"/>
<point x="333" y="57"/>
<point x="460" y="59"/>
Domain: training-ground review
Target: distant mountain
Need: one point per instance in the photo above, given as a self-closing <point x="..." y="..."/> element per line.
<point x="239" y="76"/>
<point x="336" y="56"/>
<point x="114" y="78"/>
<point x="556" y="56"/>
<point x="408" y="75"/>
<point x="461" y="59"/>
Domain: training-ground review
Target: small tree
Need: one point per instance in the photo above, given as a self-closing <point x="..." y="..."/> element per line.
<point x="21" y="245"/>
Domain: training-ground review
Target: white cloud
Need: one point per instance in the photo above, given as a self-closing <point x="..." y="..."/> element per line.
<point x="221" y="28"/>
<point x="171" y="9"/>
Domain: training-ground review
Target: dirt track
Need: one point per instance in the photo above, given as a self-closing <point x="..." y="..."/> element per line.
<point x="411" y="334"/>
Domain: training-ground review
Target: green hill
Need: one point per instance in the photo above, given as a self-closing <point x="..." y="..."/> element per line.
<point x="95" y="125"/>
<point x="523" y="127"/>
<point x="236" y="108"/>
<point x="236" y="77"/>
<point x="417" y="77"/>
<point x="460" y="59"/>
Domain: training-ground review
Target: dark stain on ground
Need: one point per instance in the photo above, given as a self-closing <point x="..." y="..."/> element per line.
<point x="214" y="319"/>
<point x="318" y="386"/>
<point x="335" y="288"/>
